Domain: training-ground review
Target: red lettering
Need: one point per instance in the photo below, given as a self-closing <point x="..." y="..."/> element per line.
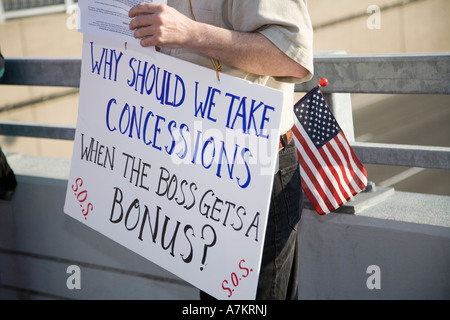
<point x="81" y="196"/>
<point x="235" y="279"/>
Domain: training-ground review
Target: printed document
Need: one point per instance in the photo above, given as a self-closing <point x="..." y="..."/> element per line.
<point x="109" y="18"/>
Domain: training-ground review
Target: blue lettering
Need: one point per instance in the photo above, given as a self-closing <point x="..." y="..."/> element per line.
<point x="202" y="106"/>
<point x="140" y="75"/>
<point x="207" y="104"/>
<point x="251" y="117"/>
<point x="212" y="104"/>
<point x="134" y="121"/>
<point x="172" y="146"/>
<point x="109" y="64"/>
<point x="167" y="102"/>
<point x="132" y="82"/>
<point x="126" y="110"/>
<point x="107" y="114"/>
<point x="149" y="114"/>
<point x="230" y="109"/>
<point x="183" y="91"/>
<point x="249" y="177"/>
<point x="197" y="141"/>
<point x="153" y="80"/>
<point x="205" y="145"/>
<point x="97" y="65"/>
<point x="182" y="156"/>
<point x="265" y="119"/>
<point x="160" y="96"/>
<point x="147" y="89"/>
<point x="130" y="122"/>
<point x="241" y="113"/>
<point x="223" y="153"/>
<point x="157" y="131"/>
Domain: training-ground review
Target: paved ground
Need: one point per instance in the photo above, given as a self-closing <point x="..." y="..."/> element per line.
<point x="405" y="119"/>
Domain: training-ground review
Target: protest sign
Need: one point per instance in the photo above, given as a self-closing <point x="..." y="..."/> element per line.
<point x="175" y="165"/>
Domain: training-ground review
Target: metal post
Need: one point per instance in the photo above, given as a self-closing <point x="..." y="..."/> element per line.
<point x="341" y="107"/>
<point x="340" y="103"/>
<point x="2" y="12"/>
<point x="69" y="4"/>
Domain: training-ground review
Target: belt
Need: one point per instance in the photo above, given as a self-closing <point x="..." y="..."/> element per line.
<point x="284" y="140"/>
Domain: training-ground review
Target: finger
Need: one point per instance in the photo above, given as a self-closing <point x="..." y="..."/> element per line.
<point x="140" y="21"/>
<point x="143" y="32"/>
<point x="148" y="41"/>
<point x="143" y="8"/>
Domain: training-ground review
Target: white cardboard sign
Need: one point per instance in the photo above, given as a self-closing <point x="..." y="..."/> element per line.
<point x="175" y="165"/>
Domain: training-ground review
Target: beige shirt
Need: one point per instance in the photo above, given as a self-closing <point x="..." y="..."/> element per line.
<point x="285" y="23"/>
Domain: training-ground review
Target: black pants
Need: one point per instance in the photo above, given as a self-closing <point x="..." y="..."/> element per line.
<point x="7" y="178"/>
<point x="278" y="279"/>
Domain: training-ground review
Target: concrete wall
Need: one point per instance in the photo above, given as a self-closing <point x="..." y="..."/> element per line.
<point x="337" y="252"/>
<point x="38" y="242"/>
<point x="404" y="26"/>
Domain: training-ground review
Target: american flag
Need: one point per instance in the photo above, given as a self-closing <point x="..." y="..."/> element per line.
<point x="331" y="173"/>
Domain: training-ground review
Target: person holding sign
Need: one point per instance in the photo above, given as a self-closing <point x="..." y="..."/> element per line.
<point x="8" y="181"/>
<point x="269" y="43"/>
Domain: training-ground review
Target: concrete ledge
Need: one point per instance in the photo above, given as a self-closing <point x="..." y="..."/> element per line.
<point x="361" y="202"/>
<point x="418" y="208"/>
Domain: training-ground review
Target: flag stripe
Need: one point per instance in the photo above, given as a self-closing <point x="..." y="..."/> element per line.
<point x="328" y="180"/>
<point x="314" y="188"/>
<point x="318" y="186"/>
<point x="347" y="172"/>
<point x="317" y="200"/>
<point x="314" y="169"/>
<point x="348" y="154"/>
<point x="330" y="153"/>
<point x="359" y="168"/>
<point x="337" y="167"/>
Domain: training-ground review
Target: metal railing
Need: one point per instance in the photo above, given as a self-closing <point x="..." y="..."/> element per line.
<point x="12" y="9"/>
<point x="382" y="74"/>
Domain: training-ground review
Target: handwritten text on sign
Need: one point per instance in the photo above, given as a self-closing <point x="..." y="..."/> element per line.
<point x="174" y="165"/>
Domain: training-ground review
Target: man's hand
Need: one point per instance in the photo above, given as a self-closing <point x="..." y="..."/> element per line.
<point x="163" y="26"/>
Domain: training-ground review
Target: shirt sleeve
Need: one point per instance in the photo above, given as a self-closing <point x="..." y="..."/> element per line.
<point x="286" y="23"/>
